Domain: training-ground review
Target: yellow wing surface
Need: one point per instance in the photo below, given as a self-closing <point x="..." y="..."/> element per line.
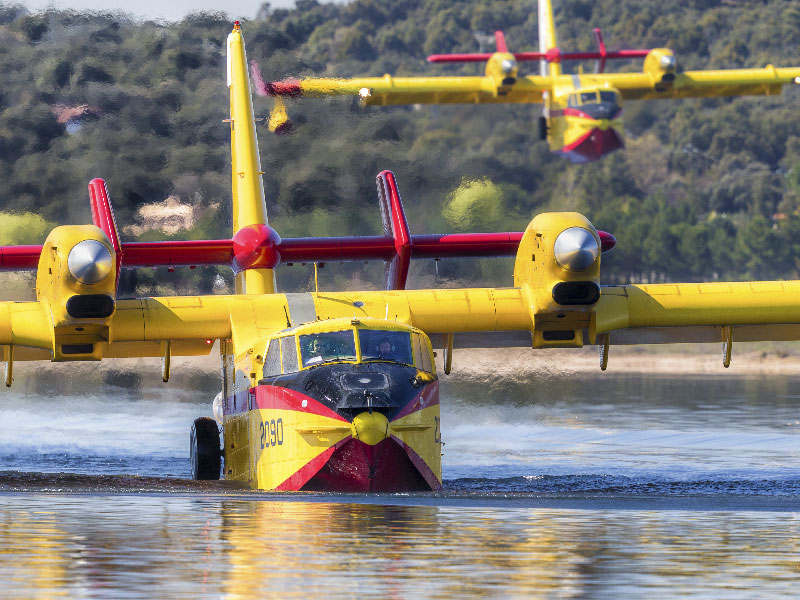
<point x="388" y="90"/>
<point x="694" y="84"/>
<point x="687" y="312"/>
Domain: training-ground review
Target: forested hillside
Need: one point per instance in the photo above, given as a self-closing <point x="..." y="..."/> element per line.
<point x="704" y="189"/>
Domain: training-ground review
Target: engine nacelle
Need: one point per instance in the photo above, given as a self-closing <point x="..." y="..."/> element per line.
<point x="558" y="264"/>
<point x="502" y="68"/>
<point x="662" y="65"/>
<point x="75" y="282"/>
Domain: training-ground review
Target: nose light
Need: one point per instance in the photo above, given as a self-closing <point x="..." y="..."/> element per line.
<point x="575" y="249"/>
<point x="89" y="262"/>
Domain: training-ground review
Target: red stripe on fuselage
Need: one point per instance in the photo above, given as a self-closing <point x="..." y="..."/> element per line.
<point x="428" y="396"/>
<point x="311" y="468"/>
<point x="281" y="398"/>
<point x="276" y="398"/>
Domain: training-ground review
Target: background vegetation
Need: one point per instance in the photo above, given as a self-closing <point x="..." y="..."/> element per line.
<point x="705" y="189"/>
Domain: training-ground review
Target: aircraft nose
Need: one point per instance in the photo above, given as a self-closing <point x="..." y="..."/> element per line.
<point x="575" y="249"/>
<point x="370" y="428"/>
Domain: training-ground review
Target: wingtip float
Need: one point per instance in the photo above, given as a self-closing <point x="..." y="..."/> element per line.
<point x="339" y="390"/>
<point x="582" y="113"/>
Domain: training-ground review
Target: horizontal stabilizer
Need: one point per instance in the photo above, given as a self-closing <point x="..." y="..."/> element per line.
<point x="396" y="246"/>
<point x="552" y="55"/>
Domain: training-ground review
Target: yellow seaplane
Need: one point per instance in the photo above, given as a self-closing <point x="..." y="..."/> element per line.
<point x="582" y="113"/>
<point x="339" y="390"/>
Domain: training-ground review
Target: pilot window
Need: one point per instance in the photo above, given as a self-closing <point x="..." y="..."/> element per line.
<point x="423" y="355"/>
<point x="317" y="348"/>
<point x="272" y="362"/>
<point x="289" y="353"/>
<point x="588" y="97"/>
<point x="608" y="97"/>
<point x="385" y="345"/>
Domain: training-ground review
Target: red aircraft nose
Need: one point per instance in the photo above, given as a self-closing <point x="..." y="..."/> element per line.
<point x="593" y="145"/>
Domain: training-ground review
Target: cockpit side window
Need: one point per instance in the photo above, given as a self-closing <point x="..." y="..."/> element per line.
<point x="272" y="362"/>
<point x="423" y="354"/>
<point x="317" y="348"/>
<point x="385" y="345"/>
<point x="587" y="97"/>
<point x="289" y="353"/>
<point x="608" y="97"/>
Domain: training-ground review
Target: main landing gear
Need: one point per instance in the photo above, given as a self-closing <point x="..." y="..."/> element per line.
<point x="204" y="451"/>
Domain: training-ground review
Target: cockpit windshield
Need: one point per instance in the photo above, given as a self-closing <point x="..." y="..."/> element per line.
<point x="385" y="345"/>
<point x="576" y="99"/>
<point x="608" y="97"/>
<point x="317" y="348"/>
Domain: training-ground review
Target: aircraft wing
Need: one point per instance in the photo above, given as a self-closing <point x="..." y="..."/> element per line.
<point x="696" y="84"/>
<point x="629" y="314"/>
<point x="388" y="90"/>
<point x="141" y="327"/>
<point x="476" y="317"/>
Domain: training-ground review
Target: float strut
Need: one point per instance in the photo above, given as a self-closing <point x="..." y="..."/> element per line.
<point x="10" y="366"/>
<point x="448" y="352"/>
<point x="727" y="345"/>
<point x="165" y="360"/>
<point x="604" y="340"/>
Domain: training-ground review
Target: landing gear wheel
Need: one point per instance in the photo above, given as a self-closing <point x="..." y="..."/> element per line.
<point x="204" y="452"/>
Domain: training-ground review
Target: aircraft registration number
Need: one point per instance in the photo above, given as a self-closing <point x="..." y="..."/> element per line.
<point x="271" y="433"/>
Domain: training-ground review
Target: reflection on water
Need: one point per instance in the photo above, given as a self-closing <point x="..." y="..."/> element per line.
<point x="635" y="428"/>
<point x="90" y="546"/>
<point x="651" y="485"/>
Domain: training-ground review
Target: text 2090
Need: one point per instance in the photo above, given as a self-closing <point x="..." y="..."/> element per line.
<point x="271" y="433"/>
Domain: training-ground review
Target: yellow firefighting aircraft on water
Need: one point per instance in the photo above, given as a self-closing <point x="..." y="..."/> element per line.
<point x="339" y="390"/>
<point x="582" y="113"/>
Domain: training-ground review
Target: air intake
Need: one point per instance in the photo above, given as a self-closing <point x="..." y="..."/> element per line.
<point x="576" y="292"/>
<point x="90" y="306"/>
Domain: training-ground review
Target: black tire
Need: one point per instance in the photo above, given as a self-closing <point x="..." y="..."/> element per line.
<point x="204" y="452"/>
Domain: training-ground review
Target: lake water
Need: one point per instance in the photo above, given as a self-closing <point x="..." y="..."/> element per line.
<point x="600" y="486"/>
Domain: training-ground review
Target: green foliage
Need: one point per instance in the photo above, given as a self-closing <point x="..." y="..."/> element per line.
<point x="705" y="189"/>
<point x="23" y="229"/>
<point x="473" y="204"/>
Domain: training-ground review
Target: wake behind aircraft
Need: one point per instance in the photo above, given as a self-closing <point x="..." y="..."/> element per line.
<point x="339" y="390"/>
<point x="582" y="113"/>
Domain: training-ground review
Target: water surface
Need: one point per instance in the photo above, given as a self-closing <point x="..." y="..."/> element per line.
<point x="593" y="487"/>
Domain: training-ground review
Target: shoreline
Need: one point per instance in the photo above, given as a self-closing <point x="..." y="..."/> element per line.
<point x="774" y="358"/>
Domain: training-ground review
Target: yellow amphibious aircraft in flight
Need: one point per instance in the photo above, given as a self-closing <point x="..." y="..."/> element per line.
<point x="339" y="390"/>
<point x="582" y="113"/>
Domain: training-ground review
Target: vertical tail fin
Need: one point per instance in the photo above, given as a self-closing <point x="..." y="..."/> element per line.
<point x="396" y="227"/>
<point x="500" y="41"/>
<point x="547" y="37"/>
<point x="103" y="217"/>
<point x="249" y="206"/>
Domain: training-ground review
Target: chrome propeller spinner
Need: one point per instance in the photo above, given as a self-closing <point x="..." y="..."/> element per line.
<point x="89" y="262"/>
<point x="576" y="249"/>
